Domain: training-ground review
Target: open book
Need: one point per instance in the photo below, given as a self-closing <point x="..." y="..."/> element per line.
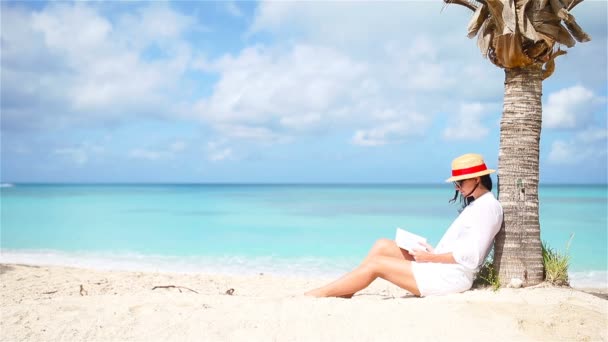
<point x="409" y="241"/>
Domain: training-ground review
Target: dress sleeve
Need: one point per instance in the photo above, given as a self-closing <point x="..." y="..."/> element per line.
<point x="477" y="234"/>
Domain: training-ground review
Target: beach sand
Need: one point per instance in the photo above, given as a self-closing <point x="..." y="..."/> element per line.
<point x="40" y="303"/>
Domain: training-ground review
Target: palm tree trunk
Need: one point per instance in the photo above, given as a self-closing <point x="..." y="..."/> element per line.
<point x="517" y="251"/>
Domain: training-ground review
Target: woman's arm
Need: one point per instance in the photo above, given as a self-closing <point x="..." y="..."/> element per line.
<point x="424" y="256"/>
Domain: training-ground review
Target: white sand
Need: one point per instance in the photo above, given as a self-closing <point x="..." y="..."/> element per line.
<point x="45" y="304"/>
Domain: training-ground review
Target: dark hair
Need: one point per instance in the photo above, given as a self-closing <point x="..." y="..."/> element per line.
<point x="485" y="180"/>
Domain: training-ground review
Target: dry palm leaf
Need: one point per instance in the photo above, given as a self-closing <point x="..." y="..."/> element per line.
<point x="550" y="65"/>
<point x="543" y="3"/>
<point x="557" y="32"/>
<point x="524" y="24"/>
<point x="519" y="33"/>
<point x="486" y="33"/>
<point x="573" y="4"/>
<point x="509" y="52"/>
<point x="478" y="19"/>
<point x="495" y="8"/>
<point x="544" y="16"/>
<point x="468" y="4"/>
<point x="559" y="9"/>
<point x="509" y="16"/>
<point x="576" y="31"/>
<point x="548" y="69"/>
<point x="537" y="50"/>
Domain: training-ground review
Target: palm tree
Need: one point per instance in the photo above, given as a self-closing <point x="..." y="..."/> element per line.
<point x="523" y="37"/>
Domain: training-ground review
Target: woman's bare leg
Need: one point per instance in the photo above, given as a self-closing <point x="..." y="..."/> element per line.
<point x="389" y="248"/>
<point x="382" y="247"/>
<point x="394" y="270"/>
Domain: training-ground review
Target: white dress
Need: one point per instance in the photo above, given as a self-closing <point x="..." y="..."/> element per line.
<point x="469" y="239"/>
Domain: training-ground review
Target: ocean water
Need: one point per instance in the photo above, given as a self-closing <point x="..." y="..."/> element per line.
<point x="300" y="230"/>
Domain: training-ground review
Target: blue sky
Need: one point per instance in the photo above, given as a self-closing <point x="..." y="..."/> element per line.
<point x="374" y="92"/>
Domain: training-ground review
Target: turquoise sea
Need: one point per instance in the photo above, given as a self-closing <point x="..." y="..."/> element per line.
<point x="299" y="230"/>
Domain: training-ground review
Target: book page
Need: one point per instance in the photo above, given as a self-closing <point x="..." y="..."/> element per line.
<point x="409" y="241"/>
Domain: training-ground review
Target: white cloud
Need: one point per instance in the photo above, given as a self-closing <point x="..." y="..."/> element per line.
<point x="75" y="29"/>
<point x="266" y="91"/>
<point x="301" y="122"/>
<point x="80" y="154"/>
<point x="569" y="152"/>
<point x="253" y="133"/>
<point x="18" y="148"/>
<point x="569" y="108"/>
<point x="364" y="67"/>
<point x="233" y="9"/>
<point x="162" y="153"/>
<point x="355" y="25"/>
<point x="592" y="135"/>
<point x="267" y="94"/>
<point x="146" y="154"/>
<point x="68" y="64"/>
<point x="156" y="22"/>
<point x="393" y="131"/>
<point x="76" y="155"/>
<point x="467" y="124"/>
<point x="584" y="146"/>
<point x="414" y="66"/>
<point x="261" y="84"/>
<point x="177" y="146"/>
<point x="481" y="81"/>
<point x="220" y="155"/>
<point x="218" y="151"/>
<point x="431" y="64"/>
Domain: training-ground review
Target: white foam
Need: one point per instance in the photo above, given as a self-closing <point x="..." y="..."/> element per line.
<point x="6" y="185"/>
<point x="589" y="279"/>
<point x="226" y="265"/>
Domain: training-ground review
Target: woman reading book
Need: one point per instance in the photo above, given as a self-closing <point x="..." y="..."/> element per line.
<point x="451" y="266"/>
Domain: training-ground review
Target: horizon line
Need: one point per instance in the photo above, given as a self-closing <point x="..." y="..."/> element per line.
<point x="262" y="183"/>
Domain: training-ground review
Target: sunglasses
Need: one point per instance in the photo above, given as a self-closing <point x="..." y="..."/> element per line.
<point x="458" y="183"/>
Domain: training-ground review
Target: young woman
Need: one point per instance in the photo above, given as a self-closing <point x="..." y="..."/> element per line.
<point x="451" y="266"/>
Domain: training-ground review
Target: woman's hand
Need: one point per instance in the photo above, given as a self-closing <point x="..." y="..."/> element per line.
<point x="423" y="255"/>
<point x="428" y="247"/>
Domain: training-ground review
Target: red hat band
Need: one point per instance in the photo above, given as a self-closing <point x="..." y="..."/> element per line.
<point x="469" y="170"/>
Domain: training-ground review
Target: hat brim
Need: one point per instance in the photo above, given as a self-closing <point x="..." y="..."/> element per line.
<point x="471" y="175"/>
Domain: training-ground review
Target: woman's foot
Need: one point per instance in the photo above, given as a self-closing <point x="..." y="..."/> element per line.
<point x="314" y="293"/>
<point x="319" y="294"/>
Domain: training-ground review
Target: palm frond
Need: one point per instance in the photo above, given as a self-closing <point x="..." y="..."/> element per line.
<point x="518" y="33"/>
<point x="524" y="23"/>
<point x="509" y="16"/>
<point x="569" y="21"/>
<point x="548" y="70"/>
<point x="558" y="33"/>
<point x="472" y="5"/>
<point x="559" y="9"/>
<point x="543" y="4"/>
<point x="538" y="50"/>
<point x="477" y="20"/>
<point x="509" y="51"/>
<point x="575" y="30"/>
<point x="485" y="36"/>
<point x="495" y="7"/>
<point x="573" y="4"/>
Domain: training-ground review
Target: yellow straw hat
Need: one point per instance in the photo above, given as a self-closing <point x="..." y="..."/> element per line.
<point x="468" y="165"/>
